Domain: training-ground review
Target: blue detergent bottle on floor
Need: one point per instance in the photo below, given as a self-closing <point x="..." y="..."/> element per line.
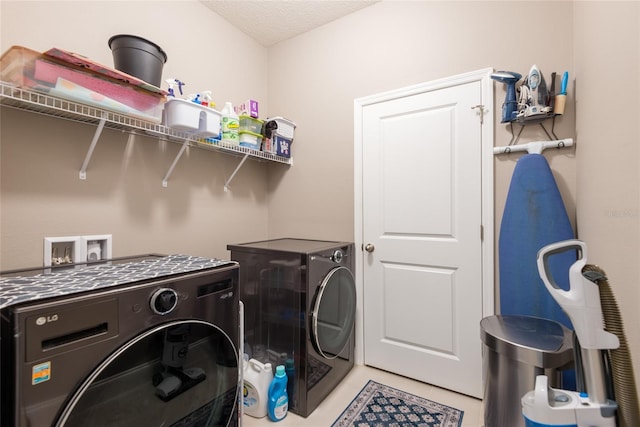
<point x="278" y="403"/>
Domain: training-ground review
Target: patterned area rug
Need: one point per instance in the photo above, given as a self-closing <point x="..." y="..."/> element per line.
<point x="378" y="405"/>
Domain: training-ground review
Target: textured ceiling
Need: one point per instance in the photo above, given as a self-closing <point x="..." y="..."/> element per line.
<point x="271" y="21"/>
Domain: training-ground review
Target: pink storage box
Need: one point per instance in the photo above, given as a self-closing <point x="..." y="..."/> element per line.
<point x="66" y="75"/>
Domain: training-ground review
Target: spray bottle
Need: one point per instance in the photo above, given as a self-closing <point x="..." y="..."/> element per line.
<point x="172" y="83"/>
<point x="205" y="99"/>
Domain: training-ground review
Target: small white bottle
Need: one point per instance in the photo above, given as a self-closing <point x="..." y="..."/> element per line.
<point x="230" y="125"/>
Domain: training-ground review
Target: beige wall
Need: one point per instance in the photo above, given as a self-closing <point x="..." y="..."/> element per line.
<point x="316" y="77"/>
<point x="41" y="194"/>
<point x="607" y="62"/>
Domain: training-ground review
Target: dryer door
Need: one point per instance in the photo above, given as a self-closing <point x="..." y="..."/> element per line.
<point x="334" y="313"/>
<point x="182" y="373"/>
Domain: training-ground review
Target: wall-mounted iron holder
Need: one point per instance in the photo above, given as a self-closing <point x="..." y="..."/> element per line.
<point x="536" y="147"/>
<point x="539" y="120"/>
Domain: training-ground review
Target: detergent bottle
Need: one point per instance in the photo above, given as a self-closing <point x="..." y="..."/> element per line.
<point x="255" y="387"/>
<point x="278" y="400"/>
<point x="230" y="125"/>
<point x="290" y="370"/>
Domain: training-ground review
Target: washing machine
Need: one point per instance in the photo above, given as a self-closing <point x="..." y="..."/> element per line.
<point x="140" y="341"/>
<point x="299" y="298"/>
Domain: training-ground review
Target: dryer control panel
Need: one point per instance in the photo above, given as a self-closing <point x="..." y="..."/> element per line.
<point x="163" y="301"/>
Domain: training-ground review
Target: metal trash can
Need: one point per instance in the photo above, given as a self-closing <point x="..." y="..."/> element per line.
<point x="516" y="350"/>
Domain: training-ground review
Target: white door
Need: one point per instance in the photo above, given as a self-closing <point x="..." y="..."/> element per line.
<point x="422" y="217"/>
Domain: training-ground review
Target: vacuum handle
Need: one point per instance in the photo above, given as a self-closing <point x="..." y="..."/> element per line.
<point x="582" y="301"/>
<point x="555" y="248"/>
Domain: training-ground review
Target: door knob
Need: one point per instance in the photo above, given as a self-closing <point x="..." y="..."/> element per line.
<point x="369" y="247"/>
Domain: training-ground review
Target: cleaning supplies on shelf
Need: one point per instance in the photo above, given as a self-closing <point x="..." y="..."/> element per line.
<point x="206" y="99"/>
<point x="257" y="378"/>
<point x="172" y="86"/>
<point x="278" y="136"/>
<point x="278" y="404"/>
<point x="191" y="117"/>
<point x="248" y="108"/>
<point x="230" y="125"/>
<point x="290" y="370"/>
<point x="195" y="98"/>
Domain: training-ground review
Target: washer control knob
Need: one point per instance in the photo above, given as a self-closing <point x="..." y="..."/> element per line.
<point x="163" y="301"/>
<point x="337" y="256"/>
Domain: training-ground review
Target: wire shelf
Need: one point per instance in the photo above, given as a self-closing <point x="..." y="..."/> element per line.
<point x="23" y="99"/>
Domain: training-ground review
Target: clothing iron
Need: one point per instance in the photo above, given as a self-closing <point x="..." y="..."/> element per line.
<point x="534" y="95"/>
<point x="510" y="105"/>
<point x="591" y="407"/>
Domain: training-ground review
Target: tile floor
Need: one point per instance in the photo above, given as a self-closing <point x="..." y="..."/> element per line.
<point x="339" y="399"/>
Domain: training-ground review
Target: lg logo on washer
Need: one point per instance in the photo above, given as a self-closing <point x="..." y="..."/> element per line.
<point x="46" y="319"/>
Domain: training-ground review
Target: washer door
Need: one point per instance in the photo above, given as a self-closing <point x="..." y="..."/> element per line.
<point x="182" y="373"/>
<point x="334" y="313"/>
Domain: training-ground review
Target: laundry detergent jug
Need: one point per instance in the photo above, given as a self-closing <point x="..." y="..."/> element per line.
<point x="255" y="388"/>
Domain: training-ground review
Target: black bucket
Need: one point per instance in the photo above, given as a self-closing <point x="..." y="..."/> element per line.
<point x="138" y="57"/>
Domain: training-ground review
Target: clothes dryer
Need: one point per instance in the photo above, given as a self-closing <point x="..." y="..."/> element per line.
<point x="300" y="301"/>
<point x="151" y="340"/>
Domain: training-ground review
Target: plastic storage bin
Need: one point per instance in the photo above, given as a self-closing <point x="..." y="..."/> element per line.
<point x="250" y="124"/>
<point x="285" y="127"/>
<point x="518" y="349"/>
<point x="69" y="76"/>
<point x="250" y="140"/>
<point x="190" y="117"/>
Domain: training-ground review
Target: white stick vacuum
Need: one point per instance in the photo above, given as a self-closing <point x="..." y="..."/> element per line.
<point x="546" y="406"/>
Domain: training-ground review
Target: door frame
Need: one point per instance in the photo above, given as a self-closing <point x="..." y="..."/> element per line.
<point x="487" y="220"/>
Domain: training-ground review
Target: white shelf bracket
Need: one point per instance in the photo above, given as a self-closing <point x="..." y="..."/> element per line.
<point x="94" y="141"/>
<point x="228" y="181"/>
<point x="165" y="180"/>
